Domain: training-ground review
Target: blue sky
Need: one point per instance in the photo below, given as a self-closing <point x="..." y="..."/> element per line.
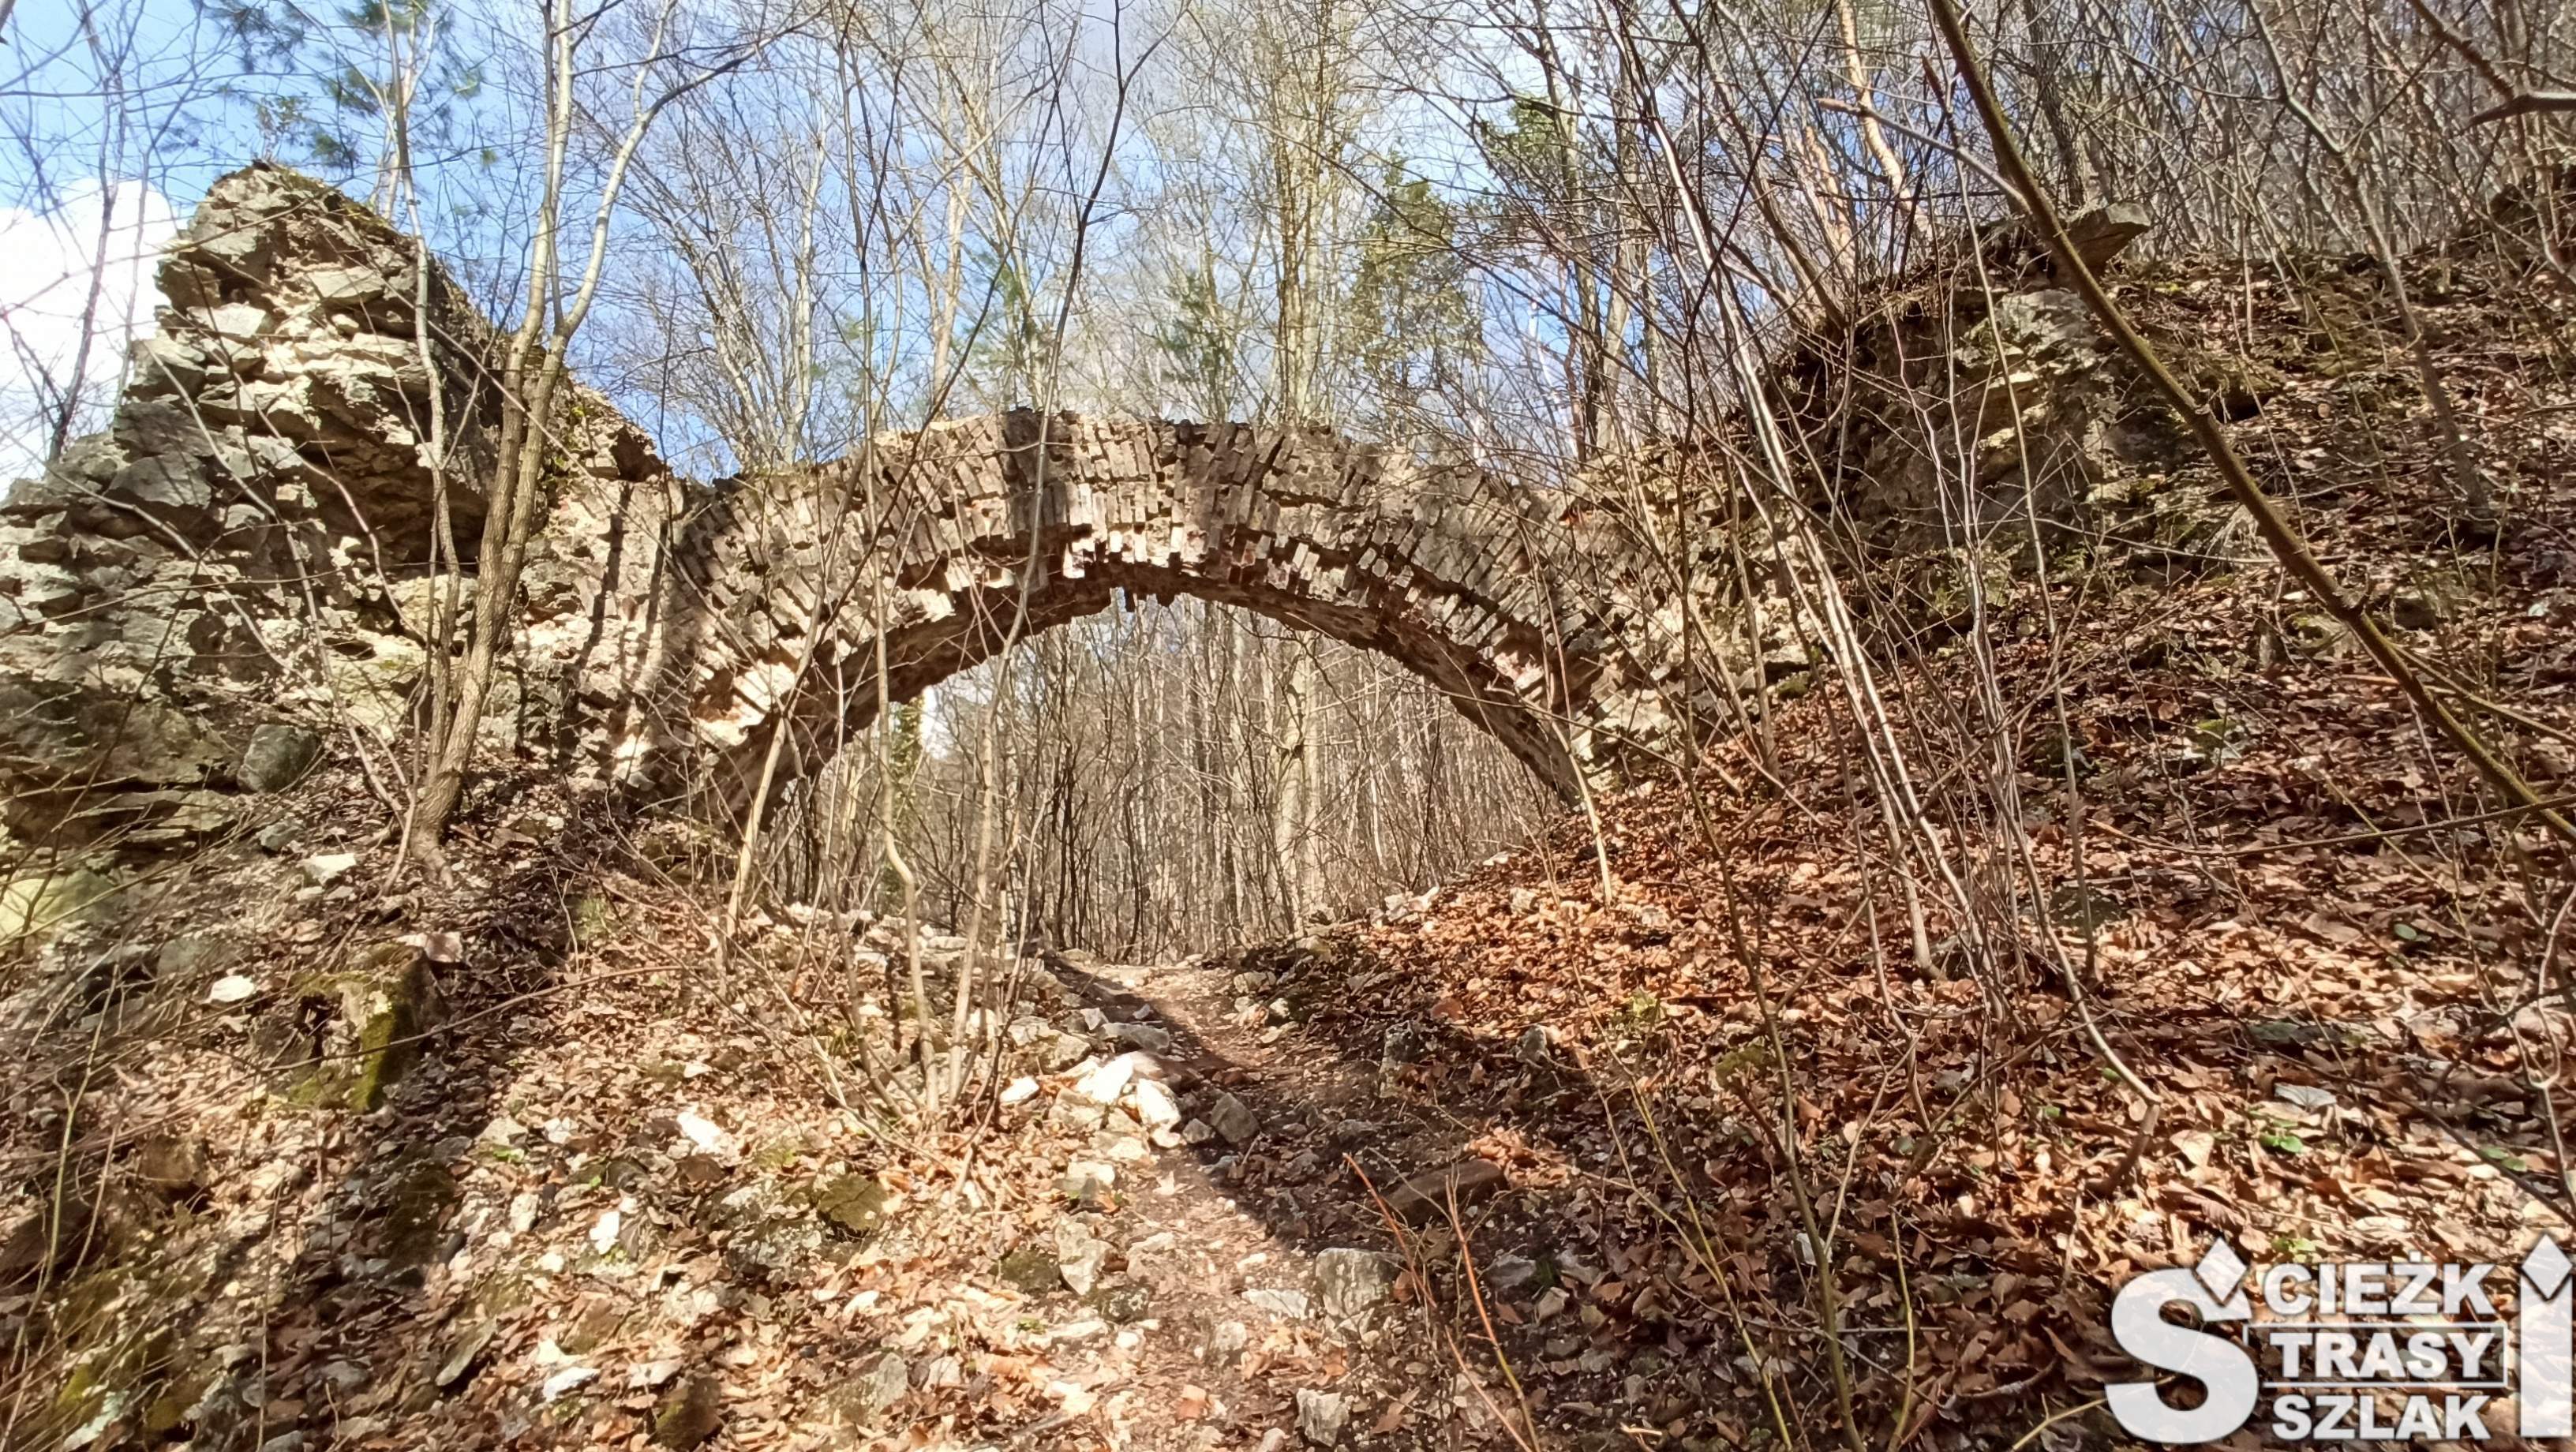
<point x="189" y="105"/>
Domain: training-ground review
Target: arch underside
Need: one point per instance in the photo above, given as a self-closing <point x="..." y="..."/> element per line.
<point x="977" y="532"/>
<point x="840" y="700"/>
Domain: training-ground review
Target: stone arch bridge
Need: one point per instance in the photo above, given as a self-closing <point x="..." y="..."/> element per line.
<point x="233" y="576"/>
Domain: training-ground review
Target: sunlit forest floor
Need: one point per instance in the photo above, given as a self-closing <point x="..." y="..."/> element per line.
<point x="1571" y="1153"/>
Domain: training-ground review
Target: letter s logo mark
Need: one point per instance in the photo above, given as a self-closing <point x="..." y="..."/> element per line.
<point x="2217" y="1363"/>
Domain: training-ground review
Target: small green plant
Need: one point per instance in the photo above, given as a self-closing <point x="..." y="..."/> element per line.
<point x="2278" y="1137"/>
<point x="2282" y="1141"/>
<point x="2216" y="741"/>
<point x="1732" y="1068"/>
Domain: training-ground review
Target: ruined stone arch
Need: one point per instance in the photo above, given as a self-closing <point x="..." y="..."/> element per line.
<point x="1001" y="527"/>
<point x="241" y="559"/>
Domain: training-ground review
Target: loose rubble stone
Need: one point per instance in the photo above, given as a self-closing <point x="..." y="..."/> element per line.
<point x="329" y="867"/>
<point x="709" y="1137"/>
<point x="1088" y="1183"/>
<point x="1350" y="1283"/>
<point x="1079" y="1255"/>
<point x="1234" y="1119"/>
<point x="1030" y="1270"/>
<point x="855" y="1205"/>
<point x="1141" y="1036"/>
<point x="1321" y="1416"/>
<point x="278" y="757"/>
<point x="688" y="1414"/>
<point x="774" y="1233"/>
<point x="1403" y="1043"/>
<point x="1075" y="1332"/>
<point x="887" y="1381"/>
<point x="2419" y="609"/>
<point x="1121" y="1149"/>
<point x="173" y="1164"/>
<point x="463" y="1349"/>
<point x="386" y="1001"/>
<point x="1156" y="1109"/>
<point x="1074" y="1112"/>
<point x="1287" y="1304"/>
<point x="1104" y="1083"/>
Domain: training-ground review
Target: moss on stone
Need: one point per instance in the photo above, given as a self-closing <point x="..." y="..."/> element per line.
<point x="1031" y="1269"/>
<point x="591" y="918"/>
<point x="39" y="905"/>
<point x="854" y="1205"/>
<point x="385" y="1000"/>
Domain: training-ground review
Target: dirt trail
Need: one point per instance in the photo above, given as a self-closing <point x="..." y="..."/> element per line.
<point x="1278" y="1311"/>
<point x="639" y="1215"/>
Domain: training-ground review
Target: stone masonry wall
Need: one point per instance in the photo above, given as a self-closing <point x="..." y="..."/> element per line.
<point x="199" y="601"/>
<point x="232" y="580"/>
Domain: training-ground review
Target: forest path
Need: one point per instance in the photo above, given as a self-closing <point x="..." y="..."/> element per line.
<point x="1263" y="1299"/>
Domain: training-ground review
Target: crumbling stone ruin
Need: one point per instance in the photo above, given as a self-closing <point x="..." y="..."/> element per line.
<point x="234" y="578"/>
<point x="194" y="600"/>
